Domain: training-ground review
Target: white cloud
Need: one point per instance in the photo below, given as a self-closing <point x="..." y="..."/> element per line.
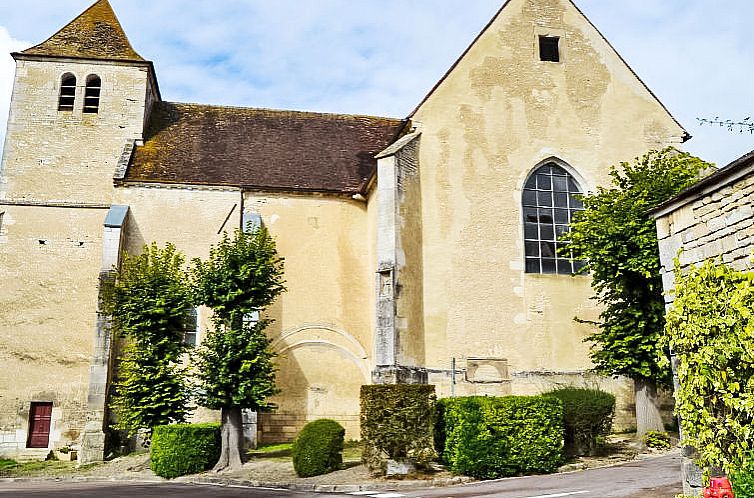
<point x="7" y="71"/>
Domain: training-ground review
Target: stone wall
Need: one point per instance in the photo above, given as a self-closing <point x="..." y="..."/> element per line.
<point x="713" y="220"/>
<point x="718" y="225"/>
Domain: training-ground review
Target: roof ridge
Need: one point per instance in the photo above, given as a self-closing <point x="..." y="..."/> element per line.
<point x="96" y="33"/>
<point x="268" y="109"/>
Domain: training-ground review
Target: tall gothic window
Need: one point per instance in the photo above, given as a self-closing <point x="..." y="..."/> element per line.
<point x="549" y="203"/>
<point x="67" y="92"/>
<point x="91" y="95"/>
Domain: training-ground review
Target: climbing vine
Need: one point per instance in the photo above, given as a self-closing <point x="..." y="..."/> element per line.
<point x="711" y="329"/>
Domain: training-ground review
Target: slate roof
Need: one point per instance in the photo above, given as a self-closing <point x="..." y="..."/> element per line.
<point x="95" y="34"/>
<point x="260" y="148"/>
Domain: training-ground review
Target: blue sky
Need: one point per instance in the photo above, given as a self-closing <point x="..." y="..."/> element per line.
<point x="381" y="57"/>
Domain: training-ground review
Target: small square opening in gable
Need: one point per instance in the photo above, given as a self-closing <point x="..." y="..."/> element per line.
<point x="549" y="50"/>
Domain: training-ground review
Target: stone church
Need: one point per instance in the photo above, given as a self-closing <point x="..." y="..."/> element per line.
<point x="421" y="249"/>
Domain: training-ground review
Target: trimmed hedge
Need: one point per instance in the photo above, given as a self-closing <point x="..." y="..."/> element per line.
<point x="181" y="449"/>
<point x="396" y="423"/>
<point x="587" y="415"/>
<point x="318" y="448"/>
<point x="491" y="437"/>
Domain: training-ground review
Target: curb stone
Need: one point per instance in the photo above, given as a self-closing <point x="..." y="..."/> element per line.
<point x="327" y="488"/>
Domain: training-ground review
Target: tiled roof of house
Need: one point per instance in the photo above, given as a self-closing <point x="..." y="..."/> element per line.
<point x="260" y="148"/>
<point x="95" y="34"/>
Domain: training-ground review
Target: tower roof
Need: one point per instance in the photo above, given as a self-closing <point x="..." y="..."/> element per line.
<point x="95" y="34"/>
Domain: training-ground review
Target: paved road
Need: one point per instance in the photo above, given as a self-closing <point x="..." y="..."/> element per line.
<point x="132" y="490"/>
<point x="655" y="478"/>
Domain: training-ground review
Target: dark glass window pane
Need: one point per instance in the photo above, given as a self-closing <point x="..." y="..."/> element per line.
<point x="531" y="182"/>
<point x="578" y="265"/>
<point x="548" y="249"/>
<point x="561" y="199"/>
<point x="564" y="267"/>
<point x="530" y="215"/>
<point x="557" y="170"/>
<point x="544" y="198"/>
<point x="562" y="251"/>
<point x="545" y="216"/>
<point x="530" y="231"/>
<point x="548" y="266"/>
<point x="576" y="203"/>
<point x="530" y="198"/>
<point x="560" y="183"/>
<point x="532" y="249"/>
<point x="561" y="230"/>
<point x="532" y="265"/>
<point x="573" y="186"/>
<point x="544" y="182"/>
<point x="546" y="232"/>
<point x="561" y="216"/>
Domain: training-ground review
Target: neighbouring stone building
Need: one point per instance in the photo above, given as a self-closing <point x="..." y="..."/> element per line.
<point x="712" y="219"/>
<point x="411" y="245"/>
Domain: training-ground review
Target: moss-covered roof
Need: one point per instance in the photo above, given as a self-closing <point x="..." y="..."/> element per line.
<point x="260" y="148"/>
<point x="95" y="34"/>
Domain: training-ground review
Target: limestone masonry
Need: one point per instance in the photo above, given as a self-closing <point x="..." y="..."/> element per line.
<point x="421" y="249"/>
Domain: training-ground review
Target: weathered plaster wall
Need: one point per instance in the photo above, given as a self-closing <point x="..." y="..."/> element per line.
<point x="323" y="322"/>
<point x="52" y="155"/>
<point x="322" y="326"/>
<point x="49" y="263"/>
<point x="499" y="113"/>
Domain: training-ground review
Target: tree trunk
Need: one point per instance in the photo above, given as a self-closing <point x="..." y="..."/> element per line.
<point x="231" y="437"/>
<point x="648" y="416"/>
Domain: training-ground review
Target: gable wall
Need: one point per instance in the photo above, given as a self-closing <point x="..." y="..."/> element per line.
<point x="498" y="114"/>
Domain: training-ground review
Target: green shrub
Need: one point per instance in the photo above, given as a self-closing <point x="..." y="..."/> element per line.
<point x="182" y="449"/>
<point x="656" y="439"/>
<point x="487" y="437"/>
<point x="587" y="415"/>
<point x="743" y="479"/>
<point x="318" y="448"/>
<point x="396" y="423"/>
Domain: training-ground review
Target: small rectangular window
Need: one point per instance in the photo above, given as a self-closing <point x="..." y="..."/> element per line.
<point x="192" y="328"/>
<point x="548" y="49"/>
<point x="2" y="215"/>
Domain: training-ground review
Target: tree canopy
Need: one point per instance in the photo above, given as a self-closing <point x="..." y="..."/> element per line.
<point x="234" y="364"/>
<point x="618" y="239"/>
<point x="149" y="301"/>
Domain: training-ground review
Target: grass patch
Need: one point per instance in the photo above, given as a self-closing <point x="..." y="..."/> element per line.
<point x="281" y="452"/>
<point x="51" y="468"/>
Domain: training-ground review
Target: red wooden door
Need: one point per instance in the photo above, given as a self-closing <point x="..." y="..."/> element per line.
<point x="39" y="425"/>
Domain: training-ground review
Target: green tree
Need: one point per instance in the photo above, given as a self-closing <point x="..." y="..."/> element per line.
<point x="149" y="301"/>
<point x="618" y="239"/>
<point x="711" y="329"/>
<point x="234" y="364"/>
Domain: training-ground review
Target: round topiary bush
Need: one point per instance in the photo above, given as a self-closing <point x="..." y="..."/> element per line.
<point x="180" y="449"/>
<point x="318" y="448"/>
<point x="587" y="416"/>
